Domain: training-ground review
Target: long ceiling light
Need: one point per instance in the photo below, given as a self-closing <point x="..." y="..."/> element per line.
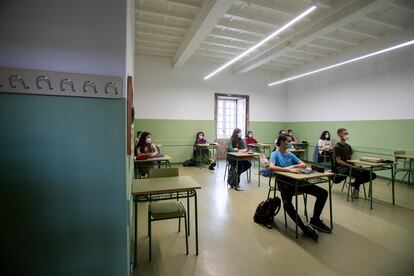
<point x="408" y="43"/>
<point x="287" y="25"/>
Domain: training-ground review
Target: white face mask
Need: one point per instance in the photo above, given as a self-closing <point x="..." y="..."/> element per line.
<point x="250" y="135"/>
<point x="148" y="140"/>
<point x="346" y="137"/>
<point x="239" y="134"/>
<point x="326" y="136"/>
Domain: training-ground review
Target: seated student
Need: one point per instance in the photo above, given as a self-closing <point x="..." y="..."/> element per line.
<point x="251" y="140"/>
<point x="343" y="153"/>
<point x="294" y="140"/>
<point x="284" y="161"/>
<point x="205" y="153"/>
<point x="137" y="138"/>
<point x="324" y="146"/>
<point x="146" y="149"/>
<point x="236" y="144"/>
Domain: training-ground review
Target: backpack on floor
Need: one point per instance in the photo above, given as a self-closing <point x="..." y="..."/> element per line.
<point x="232" y="178"/>
<point x="266" y="211"/>
<point x="265" y="172"/>
<point x="189" y="163"/>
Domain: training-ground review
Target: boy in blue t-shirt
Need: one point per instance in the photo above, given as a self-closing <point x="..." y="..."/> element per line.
<point x="284" y="161"/>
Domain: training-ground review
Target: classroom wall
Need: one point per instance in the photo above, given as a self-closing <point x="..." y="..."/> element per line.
<point x="372" y="98"/>
<point x="63" y="167"/>
<point x="173" y="104"/>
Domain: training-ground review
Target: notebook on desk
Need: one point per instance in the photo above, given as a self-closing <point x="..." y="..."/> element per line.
<point x="371" y="159"/>
<point x="307" y="171"/>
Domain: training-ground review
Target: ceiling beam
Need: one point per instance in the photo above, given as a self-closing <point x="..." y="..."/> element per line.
<point x="341" y="39"/>
<point x="309" y="51"/>
<point x="403" y="6"/>
<point x="161" y="24"/>
<point x="326" y="4"/>
<point x="157" y="41"/>
<point x="181" y="16"/>
<point x="384" y="21"/>
<point x="206" y="20"/>
<point x="326" y="46"/>
<point x="237" y="26"/>
<point x="246" y="15"/>
<point x="186" y="3"/>
<point x="151" y="53"/>
<point x="299" y="56"/>
<point x="159" y="33"/>
<point x="226" y="42"/>
<point x="234" y="36"/>
<point x="361" y="31"/>
<point x="219" y="49"/>
<point x="341" y="15"/>
<point x="276" y="7"/>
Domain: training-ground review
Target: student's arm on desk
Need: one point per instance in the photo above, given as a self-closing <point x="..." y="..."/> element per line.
<point x="342" y="163"/>
<point x="292" y="169"/>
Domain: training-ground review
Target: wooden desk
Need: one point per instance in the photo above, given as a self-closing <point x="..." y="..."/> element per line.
<point x="298" y="179"/>
<point x="262" y="146"/>
<point x="200" y="147"/>
<point x="139" y="163"/>
<point x="373" y="166"/>
<point x="240" y="156"/>
<point x="185" y="185"/>
<point x="410" y="164"/>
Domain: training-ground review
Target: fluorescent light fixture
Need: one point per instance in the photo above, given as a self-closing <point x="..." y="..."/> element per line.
<point x="408" y="43"/>
<point x="287" y="25"/>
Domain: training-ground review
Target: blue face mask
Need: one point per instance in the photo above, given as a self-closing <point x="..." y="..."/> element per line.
<point x="289" y="145"/>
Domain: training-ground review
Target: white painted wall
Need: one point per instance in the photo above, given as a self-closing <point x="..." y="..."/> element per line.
<point x="379" y="88"/>
<point x="70" y="36"/>
<point x="165" y="93"/>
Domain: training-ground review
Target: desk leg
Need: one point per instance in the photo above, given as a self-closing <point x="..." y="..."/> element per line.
<point x="370" y="186"/>
<point x="392" y="184"/>
<point x="237" y="174"/>
<point x="188" y="212"/>
<point x="196" y="220"/>
<point x="296" y="207"/>
<point x="258" y="161"/>
<point x="330" y="202"/>
<point x="135" y="233"/>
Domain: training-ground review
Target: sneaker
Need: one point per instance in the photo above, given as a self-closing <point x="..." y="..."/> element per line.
<point x="355" y="194"/>
<point x="211" y="167"/>
<point x="310" y="232"/>
<point x="319" y="225"/>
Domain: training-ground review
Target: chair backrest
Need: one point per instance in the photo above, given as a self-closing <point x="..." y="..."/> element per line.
<point x="333" y="162"/>
<point x="164" y="172"/>
<point x="315" y="154"/>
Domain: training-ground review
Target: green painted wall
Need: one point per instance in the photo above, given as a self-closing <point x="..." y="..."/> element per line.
<point x="177" y="136"/>
<point x="63" y="207"/>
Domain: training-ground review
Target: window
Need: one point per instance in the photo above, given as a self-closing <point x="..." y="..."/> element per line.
<point x="231" y="113"/>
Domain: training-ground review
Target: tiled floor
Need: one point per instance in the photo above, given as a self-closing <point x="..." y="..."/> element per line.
<point x="363" y="242"/>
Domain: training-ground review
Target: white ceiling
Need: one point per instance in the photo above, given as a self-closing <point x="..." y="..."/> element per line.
<point x="218" y="30"/>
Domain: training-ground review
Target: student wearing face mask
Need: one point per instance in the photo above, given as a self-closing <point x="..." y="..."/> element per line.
<point x="250" y="139"/>
<point x="294" y="140"/>
<point x="236" y="144"/>
<point x="206" y="156"/>
<point x="284" y="161"/>
<point x="343" y="153"/>
<point x="324" y="146"/>
<point x="145" y="148"/>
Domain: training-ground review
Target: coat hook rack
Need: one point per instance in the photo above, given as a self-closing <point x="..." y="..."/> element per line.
<point x="90" y="84"/>
<point x="67" y="82"/>
<point x="112" y="85"/>
<point x="44" y="79"/>
<point x="18" y="78"/>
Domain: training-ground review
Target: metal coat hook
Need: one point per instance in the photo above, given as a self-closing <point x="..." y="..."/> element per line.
<point x="45" y="79"/>
<point x="67" y="82"/>
<point x="91" y="84"/>
<point x="112" y="85"/>
<point x="18" y="78"/>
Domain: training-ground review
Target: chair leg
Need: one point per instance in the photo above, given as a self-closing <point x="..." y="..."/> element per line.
<point x="343" y="185"/>
<point x="305" y="201"/>
<point x="268" y="193"/>
<point x="284" y="211"/>
<point x="179" y="225"/>
<point x="186" y="236"/>
<point x="149" y="236"/>
<point x="349" y="192"/>
<point x="365" y="192"/>
<point x="225" y="171"/>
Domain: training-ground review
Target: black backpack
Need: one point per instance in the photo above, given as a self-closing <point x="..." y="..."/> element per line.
<point x="189" y="163"/>
<point x="266" y="211"/>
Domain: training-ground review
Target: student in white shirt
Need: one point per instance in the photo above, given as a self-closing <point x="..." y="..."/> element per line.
<point x="324" y="146"/>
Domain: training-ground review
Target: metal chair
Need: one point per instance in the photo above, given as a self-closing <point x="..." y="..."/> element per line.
<point x="274" y="189"/>
<point x="405" y="165"/>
